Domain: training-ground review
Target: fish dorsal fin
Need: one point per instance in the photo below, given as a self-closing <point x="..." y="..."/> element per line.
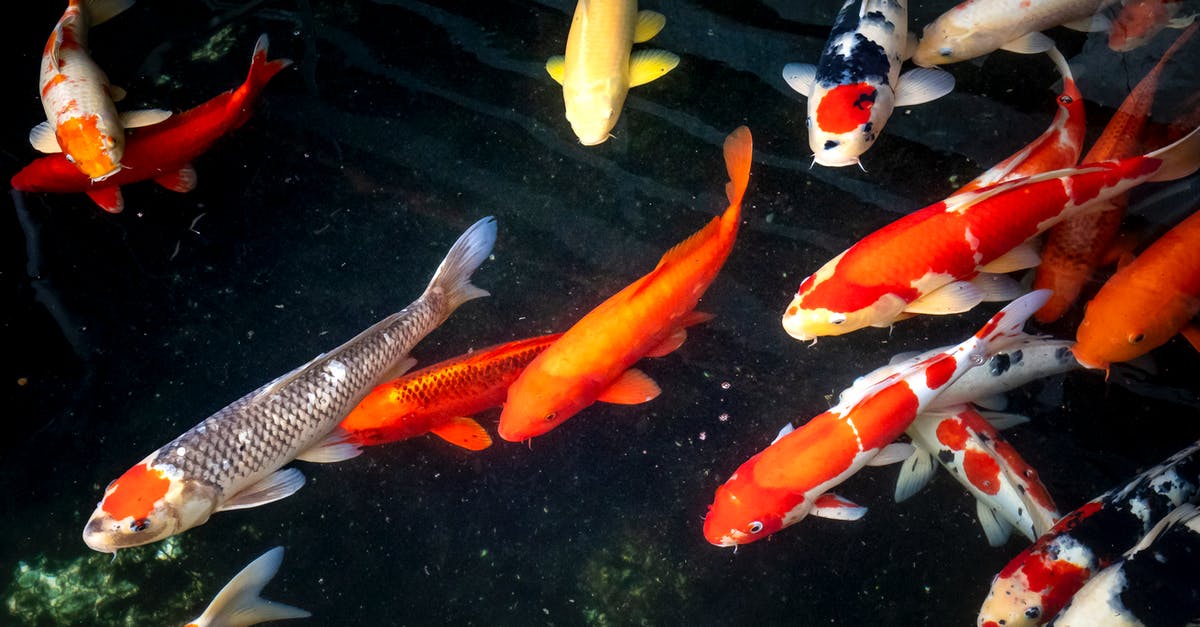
<point x="464" y="432"/>
<point x="337" y="446"/>
<point x="395" y="372"/>
<point x="43" y="139"/>
<point x="1029" y="43"/>
<point x="108" y="198"/>
<point x="1187" y="514"/>
<point x="282" y="381"/>
<point x="689" y="246"/>
<point x="915" y="474"/>
<point x="800" y="77"/>
<point x="143" y="117"/>
<point x="54" y="46"/>
<point x="647" y="65"/>
<point x="631" y="388"/>
<point x="239" y="603"/>
<point x="893" y="453"/>
<point x="277" y="485"/>
<point x="1025" y="255"/>
<point x="182" y="180"/>
<point x="556" y="67"/>
<point x="784" y="430"/>
<point x="835" y="507"/>
<point x="649" y="24"/>
<point x="952" y="298"/>
<point x="921" y="85"/>
<point x="995" y="529"/>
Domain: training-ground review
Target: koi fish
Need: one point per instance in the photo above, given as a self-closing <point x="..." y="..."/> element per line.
<point x="1140" y="20"/>
<point x="439" y="398"/>
<point x="857" y="83"/>
<point x="162" y="152"/>
<point x="791" y="478"/>
<point x="234" y="458"/>
<point x="1145" y="303"/>
<point x="1009" y="369"/>
<point x="82" y="121"/>
<point x="1036" y="584"/>
<point x="977" y="27"/>
<point x="592" y="360"/>
<point x="1154" y="583"/>
<point x="600" y="67"/>
<point x="1075" y="247"/>
<point x="239" y="603"/>
<point x="946" y="258"/>
<point x="1059" y="147"/>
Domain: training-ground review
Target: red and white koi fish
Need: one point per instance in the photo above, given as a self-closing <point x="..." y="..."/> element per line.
<point x="592" y="360"/>
<point x="234" y="458"/>
<point x="1059" y="147"/>
<point x="857" y="83"/>
<point x="240" y="604"/>
<point x="1154" y="583"/>
<point x="792" y="477"/>
<point x="82" y="121"/>
<point x="977" y="27"/>
<point x="946" y="258"/>
<point x="162" y="152"/>
<point x="1039" y="582"/>
<point x="1140" y="20"/>
<point x="439" y="399"/>
<point x="1009" y="369"/>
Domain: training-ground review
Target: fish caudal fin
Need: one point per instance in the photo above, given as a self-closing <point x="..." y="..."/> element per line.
<point x="738" y="152"/>
<point x="453" y="276"/>
<point x="101" y="11"/>
<point x="1179" y="159"/>
<point x="261" y="70"/>
<point x="1004" y="329"/>
<point x="238" y="604"/>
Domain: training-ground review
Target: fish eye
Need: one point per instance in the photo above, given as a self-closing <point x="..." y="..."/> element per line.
<point x="141" y="524"/>
<point x="1136" y="337"/>
<point x="1066" y="99"/>
<point x="69" y="157"/>
<point x="755" y="527"/>
<point x="945" y="52"/>
<point x="831" y="144"/>
<point x="837" y="319"/>
<point x="1033" y="612"/>
<point x="550" y="416"/>
<point x="808" y="122"/>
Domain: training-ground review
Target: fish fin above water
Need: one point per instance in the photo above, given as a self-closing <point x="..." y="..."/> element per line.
<point x="647" y="65"/>
<point x="915" y="474"/>
<point x="277" y="485"/>
<point x="995" y="529"/>
<point x="997" y="287"/>
<point x="800" y="77"/>
<point x="143" y="117"/>
<point x="649" y="24"/>
<point x="337" y="446"/>
<point x="631" y="388"/>
<point x="893" y="453"/>
<point x="1025" y="255"/>
<point x="952" y="298"/>
<point x="453" y="276"/>
<point x="43" y="139"/>
<point x="239" y="603"/>
<point x="182" y="180"/>
<point x="1029" y="43"/>
<point x="100" y="11"/>
<point x="556" y="67"/>
<point x="464" y="432"/>
<point x="109" y="198"/>
<point x="921" y="85"/>
<point x="834" y="507"/>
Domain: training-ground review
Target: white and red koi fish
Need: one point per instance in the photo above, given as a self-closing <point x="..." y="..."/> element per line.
<point x="1009" y="369"/>
<point x="857" y="83"/>
<point x="946" y="258"/>
<point x="239" y="603"/>
<point x="83" y="122"/>
<point x="1140" y="20"/>
<point x="234" y="458"/>
<point x="792" y="477"/>
<point x="1154" y="583"/>
<point x="1039" y="582"/>
<point x="977" y="27"/>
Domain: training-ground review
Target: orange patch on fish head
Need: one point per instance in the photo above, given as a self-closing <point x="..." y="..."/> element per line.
<point x="743" y="512"/>
<point x="135" y="493"/>
<point x="92" y="151"/>
<point x="538" y="402"/>
<point x="131" y="512"/>
<point x="846" y="107"/>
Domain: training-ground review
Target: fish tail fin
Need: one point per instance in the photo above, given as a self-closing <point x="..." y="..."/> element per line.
<point x="1179" y="159"/>
<point x="738" y="150"/>
<point x="261" y="70"/>
<point x="101" y="11"/>
<point x="453" y="276"/>
<point x="239" y="603"/>
<point x="1004" y="329"/>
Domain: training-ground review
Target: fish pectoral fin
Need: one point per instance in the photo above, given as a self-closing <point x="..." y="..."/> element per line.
<point x="834" y="507"/>
<point x="893" y="453"/>
<point x="240" y="603"/>
<point x="109" y="198"/>
<point x="784" y="430"/>
<point x="631" y="388"/>
<point x="1182" y="22"/>
<point x="556" y="67"/>
<point x="464" y="432"/>
<point x="143" y="117"/>
<point x="1003" y="420"/>
<point x="915" y="474"/>
<point x="669" y="344"/>
<point x="54" y="46"/>
<point x="997" y="287"/>
<point x="996" y="529"/>
<point x="277" y="485"/>
<point x="951" y="298"/>
<point x="338" y="446"/>
<point x="1092" y="24"/>
<point x="1025" y="255"/>
<point x="922" y="84"/>
<point x="647" y="65"/>
<point x="995" y="402"/>
<point x="800" y="77"/>
<point x="116" y="94"/>
<point x="649" y="24"/>
<point x="182" y="180"/>
<point x="100" y="11"/>
<point x="1191" y="333"/>
<point x="43" y="139"/>
<point x="1029" y="43"/>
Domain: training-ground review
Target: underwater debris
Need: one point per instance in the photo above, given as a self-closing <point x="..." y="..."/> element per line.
<point x="630" y="583"/>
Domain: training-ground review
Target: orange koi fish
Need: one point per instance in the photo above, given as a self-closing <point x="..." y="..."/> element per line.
<point x="1140" y="20"/>
<point x="592" y="360"/>
<point x="162" y="152"/>
<point x="238" y="604"/>
<point x="946" y="257"/>
<point x="439" y="398"/>
<point x="1075" y="248"/>
<point x="1146" y="302"/>
<point x="82" y="121"/>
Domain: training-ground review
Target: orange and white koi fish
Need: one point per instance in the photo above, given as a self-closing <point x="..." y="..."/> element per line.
<point x="857" y="83"/>
<point x="240" y="604"/>
<point x="1146" y="303"/>
<point x="1075" y="247"/>
<point x="592" y="360"/>
<point x="946" y="257"/>
<point x="792" y="477"/>
<point x="83" y="122"/>
<point x="234" y="458"/>
<point x="1140" y="20"/>
<point x="977" y="27"/>
<point x="600" y="66"/>
<point x="439" y="399"/>
<point x="1059" y="147"/>
<point x="162" y="152"/>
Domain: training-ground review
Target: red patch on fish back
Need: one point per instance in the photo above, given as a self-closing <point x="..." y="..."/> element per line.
<point x="135" y="492"/>
<point x="881" y="418"/>
<point x="939" y="371"/>
<point x="952" y="434"/>
<point x="845" y="107"/>
<point x="820" y="449"/>
<point x="982" y="471"/>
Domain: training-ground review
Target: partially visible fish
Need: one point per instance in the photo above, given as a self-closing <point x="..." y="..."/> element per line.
<point x="1140" y="20"/>
<point x="233" y="459"/>
<point x="240" y="604"/>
